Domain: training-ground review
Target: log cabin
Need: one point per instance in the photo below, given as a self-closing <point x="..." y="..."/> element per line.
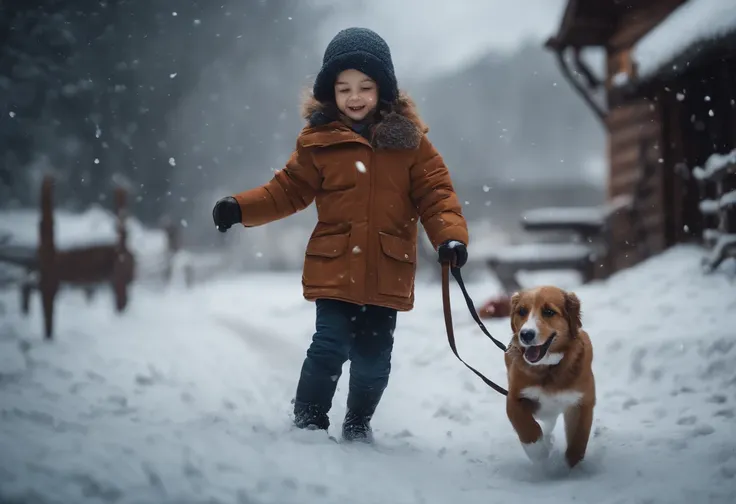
<point x="665" y="95"/>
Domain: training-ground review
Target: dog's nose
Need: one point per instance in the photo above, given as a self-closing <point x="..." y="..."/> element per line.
<point x="527" y="335"/>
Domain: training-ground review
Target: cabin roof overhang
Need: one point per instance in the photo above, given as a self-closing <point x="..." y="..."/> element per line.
<point x="702" y="30"/>
<point x="585" y="23"/>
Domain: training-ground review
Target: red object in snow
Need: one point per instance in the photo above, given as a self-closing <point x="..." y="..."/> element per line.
<point x="498" y="307"/>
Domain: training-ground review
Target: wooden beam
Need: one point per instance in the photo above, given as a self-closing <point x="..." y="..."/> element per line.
<point x="633" y="23"/>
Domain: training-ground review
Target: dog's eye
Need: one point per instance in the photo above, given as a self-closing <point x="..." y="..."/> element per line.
<point x="548" y="312"/>
<point x="523" y="312"/>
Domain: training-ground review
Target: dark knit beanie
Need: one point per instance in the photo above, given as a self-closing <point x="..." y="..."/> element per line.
<point x="360" y="49"/>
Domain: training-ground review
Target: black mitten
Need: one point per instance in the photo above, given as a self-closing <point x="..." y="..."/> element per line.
<point x="453" y="251"/>
<point x="226" y="213"/>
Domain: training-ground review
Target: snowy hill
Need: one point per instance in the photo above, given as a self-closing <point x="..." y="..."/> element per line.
<point x="186" y="397"/>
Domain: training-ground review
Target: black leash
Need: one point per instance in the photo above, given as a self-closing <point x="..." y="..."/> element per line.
<point x="471" y="307"/>
<point x="448" y="322"/>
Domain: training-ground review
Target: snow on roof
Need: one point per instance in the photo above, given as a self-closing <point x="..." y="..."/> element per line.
<point x="568" y="215"/>
<point x="540" y="252"/>
<point x="714" y="164"/>
<point x="728" y="200"/>
<point x="693" y="22"/>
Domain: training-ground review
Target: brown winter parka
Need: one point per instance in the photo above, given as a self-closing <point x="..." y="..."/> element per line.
<point x="370" y="195"/>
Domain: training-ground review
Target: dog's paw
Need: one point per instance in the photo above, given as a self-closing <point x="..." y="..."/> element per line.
<point x="540" y="450"/>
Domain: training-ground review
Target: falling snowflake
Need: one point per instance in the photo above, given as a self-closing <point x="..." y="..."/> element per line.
<point x="184" y="223"/>
<point x="486" y="188"/>
<point x="707" y="98"/>
<point x="197" y="22"/>
<point x="172" y="161"/>
<point x="360" y="166"/>
<point x="11" y="113"/>
<point x="97" y="161"/>
<point x="680" y="97"/>
<point x="174" y="13"/>
<point x="710" y="113"/>
<point x="356" y="250"/>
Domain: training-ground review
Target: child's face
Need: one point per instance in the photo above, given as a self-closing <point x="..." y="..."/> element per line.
<point x="356" y="94"/>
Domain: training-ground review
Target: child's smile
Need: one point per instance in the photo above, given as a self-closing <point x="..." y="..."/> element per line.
<point x="356" y="94"/>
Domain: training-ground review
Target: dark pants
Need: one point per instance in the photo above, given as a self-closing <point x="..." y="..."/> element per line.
<point x="363" y="334"/>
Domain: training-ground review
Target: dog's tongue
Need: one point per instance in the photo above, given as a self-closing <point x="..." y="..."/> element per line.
<point x="532" y="353"/>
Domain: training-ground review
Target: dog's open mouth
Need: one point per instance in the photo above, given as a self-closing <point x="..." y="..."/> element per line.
<point x="534" y="354"/>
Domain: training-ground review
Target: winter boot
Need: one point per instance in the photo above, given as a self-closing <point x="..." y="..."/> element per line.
<point x="357" y="427"/>
<point x="310" y="417"/>
<point x="357" y="423"/>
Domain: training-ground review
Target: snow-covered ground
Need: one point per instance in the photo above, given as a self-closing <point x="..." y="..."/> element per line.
<point x="186" y="398"/>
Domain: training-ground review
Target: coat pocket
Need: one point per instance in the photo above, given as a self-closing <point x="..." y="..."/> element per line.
<point x="397" y="266"/>
<point x="326" y="263"/>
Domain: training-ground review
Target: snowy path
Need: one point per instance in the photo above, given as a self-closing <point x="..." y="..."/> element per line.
<point x="186" y="399"/>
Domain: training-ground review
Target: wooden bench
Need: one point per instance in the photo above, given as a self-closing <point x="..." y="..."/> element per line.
<point x="506" y="262"/>
<point x="717" y="185"/>
<point x="49" y="268"/>
<point x="585" y="248"/>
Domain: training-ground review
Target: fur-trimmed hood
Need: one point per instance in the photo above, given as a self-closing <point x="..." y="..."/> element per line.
<point x="398" y="126"/>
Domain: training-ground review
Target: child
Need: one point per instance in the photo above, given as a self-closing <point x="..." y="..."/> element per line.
<point x="364" y="157"/>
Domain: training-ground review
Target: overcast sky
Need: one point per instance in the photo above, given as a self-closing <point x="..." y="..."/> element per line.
<point x="429" y="36"/>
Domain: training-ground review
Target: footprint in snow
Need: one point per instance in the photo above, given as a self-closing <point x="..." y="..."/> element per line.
<point x="687" y="420"/>
<point x="725" y="413"/>
<point x="628" y="403"/>
<point x="702" y="430"/>
<point x="637" y="362"/>
<point x="727" y="472"/>
<point x="716" y="369"/>
<point x="682" y="390"/>
<point x="717" y="399"/>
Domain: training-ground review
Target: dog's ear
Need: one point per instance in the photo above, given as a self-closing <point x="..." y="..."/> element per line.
<point x="572" y="313"/>
<point x="514" y="302"/>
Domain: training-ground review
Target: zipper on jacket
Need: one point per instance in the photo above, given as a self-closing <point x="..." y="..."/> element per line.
<point x="372" y="289"/>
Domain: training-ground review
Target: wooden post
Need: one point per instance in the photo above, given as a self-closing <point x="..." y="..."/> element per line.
<point x="173" y="244"/>
<point x="123" y="261"/>
<point x="49" y="280"/>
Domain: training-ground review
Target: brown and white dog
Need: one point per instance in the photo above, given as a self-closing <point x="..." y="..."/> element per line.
<point x="549" y="368"/>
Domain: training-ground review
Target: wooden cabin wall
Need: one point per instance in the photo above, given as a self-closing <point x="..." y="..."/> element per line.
<point x="634" y="138"/>
<point x="699" y="118"/>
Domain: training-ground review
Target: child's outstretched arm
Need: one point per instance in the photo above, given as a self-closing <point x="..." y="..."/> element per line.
<point x="434" y="196"/>
<point x="291" y="189"/>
